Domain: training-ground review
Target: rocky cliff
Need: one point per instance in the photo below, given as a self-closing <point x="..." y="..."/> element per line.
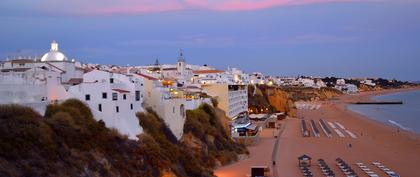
<point x="268" y="99"/>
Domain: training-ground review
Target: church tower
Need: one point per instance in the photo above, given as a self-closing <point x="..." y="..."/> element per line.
<point x="180" y="65"/>
<point x="54" y="46"/>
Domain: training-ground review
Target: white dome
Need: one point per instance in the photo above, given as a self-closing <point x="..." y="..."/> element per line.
<point x="54" y="54"/>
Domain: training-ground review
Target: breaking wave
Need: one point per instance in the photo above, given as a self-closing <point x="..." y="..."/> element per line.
<point x="399" y="125"/>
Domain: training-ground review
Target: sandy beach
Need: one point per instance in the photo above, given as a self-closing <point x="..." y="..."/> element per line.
<point x="375" y="142"/>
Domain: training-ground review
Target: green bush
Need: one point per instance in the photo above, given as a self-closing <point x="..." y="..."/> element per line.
<point x="66" y="142"/>
<point x="206" y="126"/>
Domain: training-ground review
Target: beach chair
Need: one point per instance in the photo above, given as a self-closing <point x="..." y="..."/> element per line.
<point x="386" y="170"/>
<point x="376" y="163"/>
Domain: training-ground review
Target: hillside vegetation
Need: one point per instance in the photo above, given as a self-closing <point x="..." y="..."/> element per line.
<point x="68" y="141"/>
<point x="204" y="145"/>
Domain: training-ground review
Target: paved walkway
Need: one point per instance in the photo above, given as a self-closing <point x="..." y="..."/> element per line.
<point x="275" y="148"/>
<point x="261" y="154"/>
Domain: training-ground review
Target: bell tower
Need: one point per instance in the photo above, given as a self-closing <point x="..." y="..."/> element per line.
<point x="180" y="65"/>
<point x="54" y="46"/>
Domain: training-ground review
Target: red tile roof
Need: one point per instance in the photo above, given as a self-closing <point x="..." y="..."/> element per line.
<point x="207" y="71"/>
<point x="146" y="76"/>
<point x="16" y="70"/>
<point x="121" y="90"/>
<point x="22" y="61"/>
<point x="55" y="67"/>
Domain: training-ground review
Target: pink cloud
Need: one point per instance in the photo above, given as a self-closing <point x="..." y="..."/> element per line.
<point x="109" y="7"/>
<point x="239" y="5"/>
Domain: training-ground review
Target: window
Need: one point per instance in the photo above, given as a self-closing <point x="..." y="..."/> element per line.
<point x="104" y="95"/>
<point x="21" y="64"/>
<point x="100" y="107"/>
<point x="87" y="97"/>
<point x="137" y="95"/>
<point x="182" y="110"/>
<point x="131" y="106"/>
<point x="117" y="109"/>
<point x="114" y="96"/>
<point x="173" y="109"/>
<point x="111" y="80"/>
<point x="124" y="96"/>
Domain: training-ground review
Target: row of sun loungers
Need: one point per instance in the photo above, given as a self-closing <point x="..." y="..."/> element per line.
<point x="323" y="124"/>
<point x="386" y="170"/>
<point x="306" y="172"/>
<point x="324" y="127"/>
<point x="315" y="129"/>
<point x="325" y="168"/>
<point x="347" y="131"/>
<point x="345" y="168"/>
<point x="367" y="170"/>
<point x="339" y="133"/>
<point x="305" y="131"/>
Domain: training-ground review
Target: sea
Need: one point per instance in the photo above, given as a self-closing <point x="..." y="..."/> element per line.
<point x="405" y="116"/>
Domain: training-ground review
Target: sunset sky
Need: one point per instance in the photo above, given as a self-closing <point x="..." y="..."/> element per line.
<point x="345" y="38"/>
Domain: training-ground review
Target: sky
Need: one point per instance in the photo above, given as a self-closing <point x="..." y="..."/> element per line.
<point x="342" y="38"/>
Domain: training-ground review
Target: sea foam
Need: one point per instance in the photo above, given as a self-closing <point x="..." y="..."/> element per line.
<point x="399" y="125"/>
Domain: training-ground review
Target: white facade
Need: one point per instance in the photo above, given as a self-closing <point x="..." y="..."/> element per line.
<point x="211" y="77"/>
<point x="233" y="99"/>
<point x="340" y="82"/>
<point x="35" y="87"/>
<point x="239" y="77"/>
<point x="256" y="78"/>
<point x="167" y="103"/>
<point x="368" y="82"/>
<point x="307" y="82"/>
<point x="238" y="100"/>
<point x="112" y="98"/>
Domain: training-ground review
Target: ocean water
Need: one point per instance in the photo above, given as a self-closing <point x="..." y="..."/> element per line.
<point x="405" y="116"/>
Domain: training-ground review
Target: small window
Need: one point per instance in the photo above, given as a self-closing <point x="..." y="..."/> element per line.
<point x="137" y="94"/>
<point x="111" y="80"/>
<point x="173" y="109"/>
<point x="141" y="84"/>
<point x="114" y="96"/>
<point x="124" y="96"/>
<point x="104" y="95"/>
<point x="117" y="109"/>
<point x="131" y="106"/>
<point x="87" y="97"/>
<point x="182" y="110"/>
<point x="100" y="107"/>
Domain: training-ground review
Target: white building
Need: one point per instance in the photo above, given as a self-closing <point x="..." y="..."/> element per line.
<point x="319" y="83"/>
<point x="233" y="99"/>
<point x="209" y="77"/>
<point x="368" y="82"/>
<point x="179" y="72"/>
<point x="340" y="82"/>
<point x="239" y="77"/>
<point x="38" y="82"/>
<point x="256" y="78"/>
<point x="306" y="82"/>
<point x="112" y="98"/>
<point x="348" y="88"/>
<point x="168" y="103"/>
